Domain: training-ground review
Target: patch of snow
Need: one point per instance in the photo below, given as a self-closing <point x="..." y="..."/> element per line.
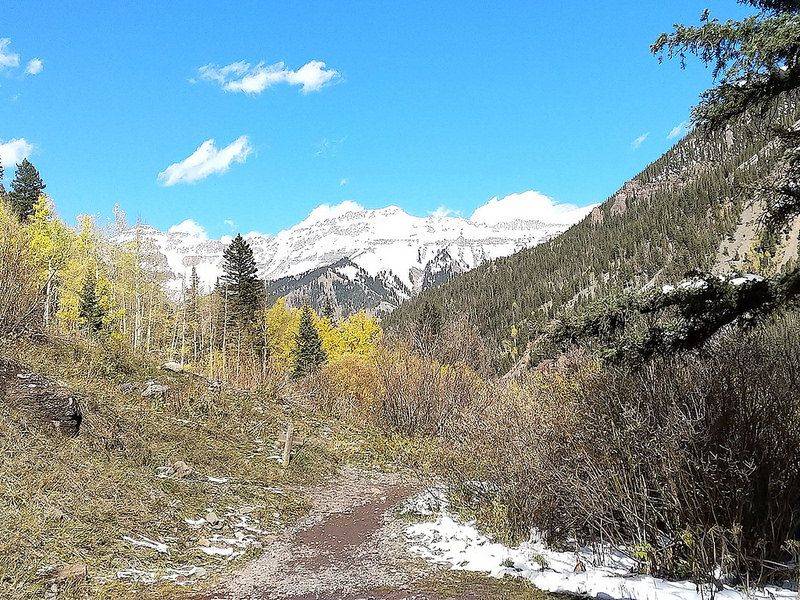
<point x="184" y="575"/>
<point x="218" y="479"/>
<point x="137" y="575"/>
<point x="195" y="523"/>
<point x="448" y="541"/>
<point x="426" y="504"/>
<point x="696" y="283"/>
<point x="746" y="278"/>
<point x="214" y="551"/>
<point x="159" y="547"/>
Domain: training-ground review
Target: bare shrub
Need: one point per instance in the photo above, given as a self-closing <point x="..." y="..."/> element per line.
<point x="691" y="463"/>
<point x="397" y="390"/>
<point x="454" y="341"/>
<point x="417" y="396"/>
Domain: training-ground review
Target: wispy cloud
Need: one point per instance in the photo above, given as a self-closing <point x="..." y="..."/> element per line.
<point x="8" y="59"/>
<point x="230" y="223"/>
<point x="327" y="147"/>
<point x="679" y="130"/>
<point x="34" y="66"/>
<point x="205" y="161"/>
<point x="640" y="140"/>
<point x="343" y="182"/>
<point x="443" y="211"/>
<point x="13" y="151"/>
<point x="243" y="77"/>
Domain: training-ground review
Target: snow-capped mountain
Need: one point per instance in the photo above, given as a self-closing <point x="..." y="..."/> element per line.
<point x="368" y="258"/>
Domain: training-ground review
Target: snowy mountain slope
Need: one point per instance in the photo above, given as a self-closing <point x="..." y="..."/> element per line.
<point x="399" y="253"/>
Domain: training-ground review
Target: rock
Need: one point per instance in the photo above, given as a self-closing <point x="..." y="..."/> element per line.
<point x="180" y="469"/>
<point x="580" y="567"/>
<point x="44" y="400"/>
<point x="212" y="518"/>
<point x="598" y="216"/>
<point x="154" y="389"/>
<point x="205" y="542"/>
<point x="172" y="366"/>
<point x="127" y="387"/>
<point x="56" y="513"/>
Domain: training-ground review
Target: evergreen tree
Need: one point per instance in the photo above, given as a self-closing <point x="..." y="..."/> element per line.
<point x="193" y="299"/>
<point x="327" y="309"/>
<point x="90" y="310"/>
<point x="240" y="280"/>
<point x="753" y="59"/>
<point x="309" y="354"/>
<point x="2" y="187"/>
<point x="428" y="328"/>
<point x="25" y="189"/>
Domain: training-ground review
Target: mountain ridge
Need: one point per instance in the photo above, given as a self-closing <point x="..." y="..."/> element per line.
<point x="392" y="253"/>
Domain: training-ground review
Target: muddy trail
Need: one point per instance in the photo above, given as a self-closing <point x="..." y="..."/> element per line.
<point x="350" y="547"/>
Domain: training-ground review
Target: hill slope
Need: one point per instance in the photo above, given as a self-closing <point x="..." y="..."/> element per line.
<point x="684" y="211"/>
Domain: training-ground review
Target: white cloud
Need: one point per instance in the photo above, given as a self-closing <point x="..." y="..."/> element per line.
<point x="330" y="211"/>
<point x="678" y="131"/>
<point x="528" y="206"/>
<point x="7" y="58"/>
<point x="639" y="140"/>
<point x="343" y="182"/>
<point x="312" y="76"/>
<point x="191" y="228"/>
<point x="13" y="151"/>
<point x="443" y="211"/>
<point x="230" y="223"/>
<point x="242" y="77"/>
<point x="35" y="66"/>
<point x="205" y="161"/>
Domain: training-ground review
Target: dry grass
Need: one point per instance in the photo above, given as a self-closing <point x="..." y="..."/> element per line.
<point x="65" y="501"/>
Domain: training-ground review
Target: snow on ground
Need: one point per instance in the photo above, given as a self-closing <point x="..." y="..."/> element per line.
<point x="460" y="545"/>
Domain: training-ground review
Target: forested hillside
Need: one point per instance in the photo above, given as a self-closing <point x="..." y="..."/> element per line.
<point x="675" y="216"/>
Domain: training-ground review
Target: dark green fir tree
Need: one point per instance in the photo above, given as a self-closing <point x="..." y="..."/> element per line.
<point x="428" y="328"/>
<point x="193" y="299"/>
<point x="89" y="309"/>
<point x="240" y="279"/>
<point x="25" y="189"/>
<point x="309" y="354"/>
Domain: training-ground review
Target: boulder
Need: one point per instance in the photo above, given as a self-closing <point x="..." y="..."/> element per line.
<point x="172" y="366"/>
<point x="153" y="389"/>
<point x="46" y="401"/>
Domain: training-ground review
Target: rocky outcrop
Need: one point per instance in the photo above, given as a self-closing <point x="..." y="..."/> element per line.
<point x="44" y="401"/>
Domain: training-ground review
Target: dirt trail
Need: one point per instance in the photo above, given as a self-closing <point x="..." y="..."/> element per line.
<point x="350" y="546"/>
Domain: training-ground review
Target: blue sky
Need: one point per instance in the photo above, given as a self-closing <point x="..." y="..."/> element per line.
<point x="431" y="104"/>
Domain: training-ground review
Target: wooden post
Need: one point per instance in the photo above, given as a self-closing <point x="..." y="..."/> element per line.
<point x="287" y="444"/>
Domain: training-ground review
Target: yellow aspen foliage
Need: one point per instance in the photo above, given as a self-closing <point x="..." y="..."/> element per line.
<point x="50" y="240"/>
<point x="329" y="335"/>
<point x="82" y="258"/>
<point x="282" y="323"/>
<point x="359" y="334"/>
